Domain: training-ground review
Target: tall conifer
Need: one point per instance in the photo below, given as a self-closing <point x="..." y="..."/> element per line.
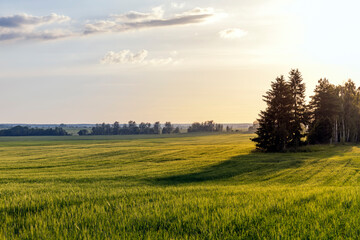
<point x="274" y="124"/>
<point x="299" y="118"/>
<point x="325" y="105"/>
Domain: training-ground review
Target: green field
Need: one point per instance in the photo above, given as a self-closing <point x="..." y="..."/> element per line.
<point x="175" y="187"/>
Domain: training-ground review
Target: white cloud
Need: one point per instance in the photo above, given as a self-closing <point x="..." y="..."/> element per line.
<point x="198" y="11"/>
<point x="26" y="27"/>
<point x="232" y="33"/>
<point x="133" y="16"/>
<point x="125" y="56"/>
<point x="137" y="20"/>
<point x="128" y="57"/>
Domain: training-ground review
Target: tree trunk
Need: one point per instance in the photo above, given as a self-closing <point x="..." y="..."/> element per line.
<point x="336" y="131"/>
<point x="343" y="131"/>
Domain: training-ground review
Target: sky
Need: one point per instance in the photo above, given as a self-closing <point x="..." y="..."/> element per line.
<point x="92" y="61"/>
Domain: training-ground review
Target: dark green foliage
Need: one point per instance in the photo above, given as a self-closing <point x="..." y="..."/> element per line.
<point x="131" y="128"/>
<point x="332" y="116"/>
<point x="176" y="130"/>
<point x="116" y="128"/>
<point x="321" y="131"/>
<point x="168" y="128"/>
<point x="325" y="105"/>
<point x="25" y="131"/>
<point x="145" y="128"/>
<point x="299" y="115"/>
<point x="325" y="108"/>
<point x="208" y="126"/>
<point x="102" y="129"/>
<point x="273" y="134"/>
<point x="350" y="113"/>
<point x="83" y="132"/>
<point x="157" y="128"/>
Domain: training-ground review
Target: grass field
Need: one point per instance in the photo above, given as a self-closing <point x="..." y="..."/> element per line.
<point x="175" y="187"/>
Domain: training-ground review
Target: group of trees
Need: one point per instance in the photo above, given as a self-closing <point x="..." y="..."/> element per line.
<point x="26" y="131"/>
<point x="281" y="124"/>
<point x="335" y="113"/>
<point x="168" y="128"/>
<point x="207" y="126"/>
<point x="332" y="116"/>
<point x="131" y="128"/>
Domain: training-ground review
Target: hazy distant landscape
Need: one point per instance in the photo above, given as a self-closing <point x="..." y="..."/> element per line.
<point x="82" y="126"/>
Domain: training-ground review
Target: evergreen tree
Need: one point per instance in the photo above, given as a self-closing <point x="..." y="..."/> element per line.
<point x="299" y="117"/>
<point x="325" y="105"/>
<point x="274" y="123"/>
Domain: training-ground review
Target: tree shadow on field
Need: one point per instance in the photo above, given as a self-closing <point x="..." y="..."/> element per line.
<point x="254" y="167"/>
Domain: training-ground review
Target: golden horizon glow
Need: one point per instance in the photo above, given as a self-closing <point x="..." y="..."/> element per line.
<point x="183" y="62"/>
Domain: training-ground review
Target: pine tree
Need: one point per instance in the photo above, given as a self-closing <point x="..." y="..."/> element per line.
<point x="273" y="131"/>
<point x="325" y="105"/>
<point x="299" y="117"/>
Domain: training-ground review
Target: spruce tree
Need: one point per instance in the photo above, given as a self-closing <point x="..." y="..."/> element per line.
<point x="274" y="122"/>
<point x="325" y="105"/>
<point x="299" y="117"/>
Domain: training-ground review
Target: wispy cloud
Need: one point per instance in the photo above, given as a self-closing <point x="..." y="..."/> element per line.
<point x="133" y="16"/>
<point x="232" y="33"/>
<point x="125" y="56"/>
<point x="24" y="26"/>
<point x="40" y="35"/>
<point x="141" y="57"/>
<point x="137" y="20"/>
<point x="25" y="20"/>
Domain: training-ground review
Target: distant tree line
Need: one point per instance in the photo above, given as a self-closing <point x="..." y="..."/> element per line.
<point x="26" y="131"/>
<point x="131" y="128"/>
<point x="332" y="116"/>
<point x="207" y="126"/>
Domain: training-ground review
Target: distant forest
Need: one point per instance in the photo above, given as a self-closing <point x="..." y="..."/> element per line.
<point x="26" y="131"/>
<point x="332" y="115"/>
<point x="131" y="128"/>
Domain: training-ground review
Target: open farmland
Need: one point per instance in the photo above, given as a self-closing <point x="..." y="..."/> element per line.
<point x="188" y="186"/>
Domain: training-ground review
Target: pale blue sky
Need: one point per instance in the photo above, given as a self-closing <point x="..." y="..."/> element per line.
<point x="186" y="60"/>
